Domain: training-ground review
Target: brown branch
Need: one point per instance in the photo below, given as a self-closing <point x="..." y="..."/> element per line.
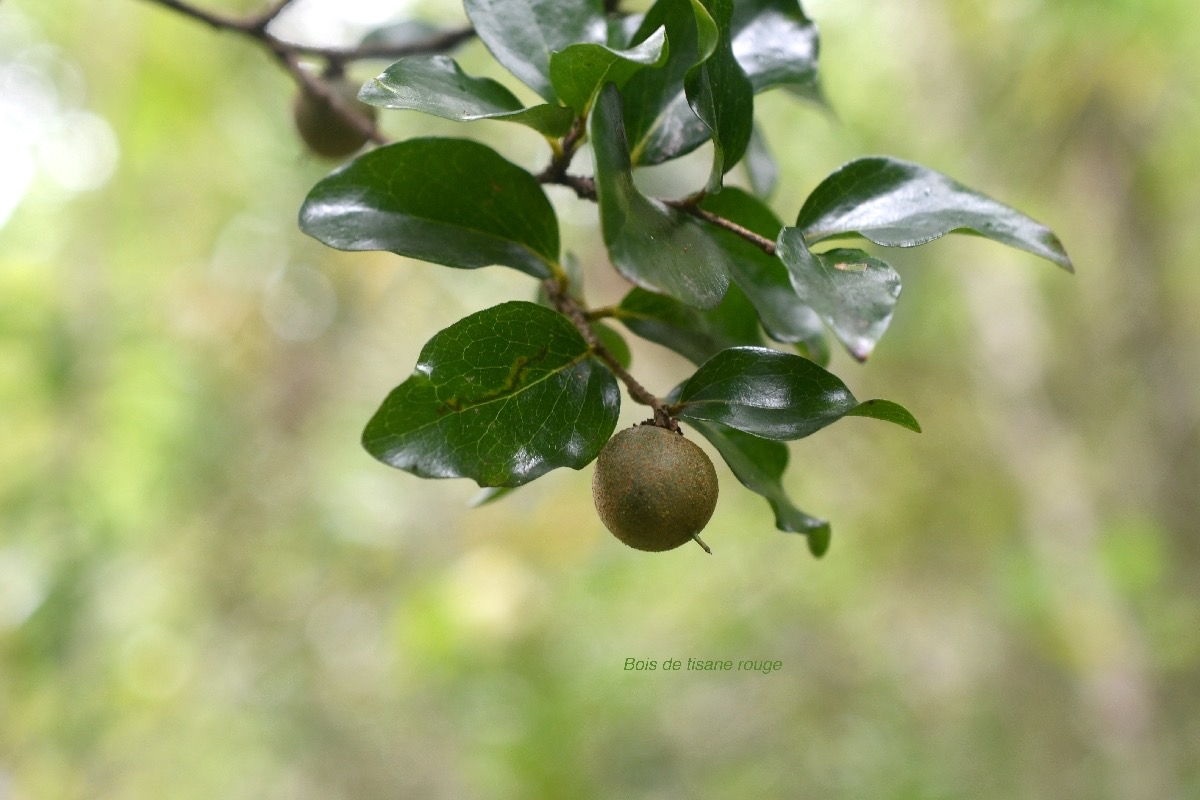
<point x="322" y="91"/>
<point x="209" y="18"/>
<point x="689" y="207"/>
<point x="288" y="54"/>
<point x="255" y="26"/>
<point x="570" y="308"/>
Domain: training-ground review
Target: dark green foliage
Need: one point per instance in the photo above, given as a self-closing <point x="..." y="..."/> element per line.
<point x="522" y="388"/>
<point x="502" y="396"/>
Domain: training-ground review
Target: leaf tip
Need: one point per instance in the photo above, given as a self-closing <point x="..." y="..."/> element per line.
<point x="818" y="540"/>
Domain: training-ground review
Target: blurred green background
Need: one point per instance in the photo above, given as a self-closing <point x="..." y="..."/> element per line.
<point x="208" y="590"/>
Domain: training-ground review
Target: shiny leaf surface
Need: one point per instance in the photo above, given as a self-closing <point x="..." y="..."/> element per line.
<point x="502" y="397"/>
<point x="761" y="168"/>
<point x="852" y="292"/>
<point x="660" y="123"/>
<point x="522" y="35"/>
<point x="721" y="95"/>
<point x="579" y="71"/>
<point x="764" y="278"/>
<point x="776" y="44"/>
<point x="437" y="85"/>
<point x="651" y="244"/>
<point x="450" y="201"/>
<point x="774" y="395"/>
<point x="901" y="204"/>
<point x="759" y="464"/>
<point x="694" y="334"/>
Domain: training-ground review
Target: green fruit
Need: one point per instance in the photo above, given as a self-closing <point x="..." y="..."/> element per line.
<point x="654" y="490"/>
<point x="326" y="132"/>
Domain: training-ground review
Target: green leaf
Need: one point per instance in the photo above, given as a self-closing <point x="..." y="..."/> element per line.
<point x="854" y="293"/>
<point x="450" y="201"/>
<point x="488" y="495"/>
<point x="522" y="35"/>
<point x="900" y="204"/>
<point x="764" y="278"/>
<point x="773" y="395"/>
<point x="580" y="70"/>
<point x="622" y="29"/>
<point x="651" y="244"/>
<point x="760" y="165"/>
<point x="759" y="464"/>
<point x="502" y="397"/>
<point x="772" y="41"/>
<point x="696" y="335"/>
<point x="888" y="411"/>
<point x="614" y="343"/>
<point x="776" y="44"/>
<point x="721" y="95"/>
<point x="437" y="85"/>
<point x="660" y="123"/>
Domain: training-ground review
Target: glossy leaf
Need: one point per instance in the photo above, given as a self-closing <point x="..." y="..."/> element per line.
<point x="852" y="292"/>
<point x="450" y="201"/>
<point x="661" y="124"/>
<point x="776" y="44"/>
<point x="721" y="95"/>
<point x="774" y="395"/>
<point x="901" y="204"/>
<point x="772" y="41"/>
<point x="579" y="71"/>
<point x="759" y="465"/>
<point x="651" y="244"/>
<point x="502" y="397"/>
<point x="694" y="334"/>
<point x="888" y="411"/>
<point x="522" y="35"/>
<point x="623" y="29"/>
<point x="761" y="168"/>
<point x="437" y="85"/>
<point x="764" y="278"/>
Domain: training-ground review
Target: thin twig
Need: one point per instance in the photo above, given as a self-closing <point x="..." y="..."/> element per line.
<point x="570" y="308"/>
<point x="217" y="21"/>
<point x="762" y="242"/>
<point x="260" y="22"/>
<point x="255" y="26"/>
<point x="321" y="90"/>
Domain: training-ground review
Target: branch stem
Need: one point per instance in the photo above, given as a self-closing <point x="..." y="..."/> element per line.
<point x="570" y="308"/>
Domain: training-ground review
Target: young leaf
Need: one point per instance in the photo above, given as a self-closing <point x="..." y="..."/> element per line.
<point x="502" y="397"/>
<point x="450" y="201"/>
<point x="437" y="85"/>
<point x="653" y="245"/>
<point x="522" y="35"/>
<point x="774" y="395"/>
<point x="759" y="464"/>
<point x="776" y="44"/>
<point x="900" y="204"/>
<point x="764" y="278"/>
<point x="579" y="70"/>
<point x="696" y="335"/>
<point x="854" y="293"/>
<point x="721" y="95"/>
